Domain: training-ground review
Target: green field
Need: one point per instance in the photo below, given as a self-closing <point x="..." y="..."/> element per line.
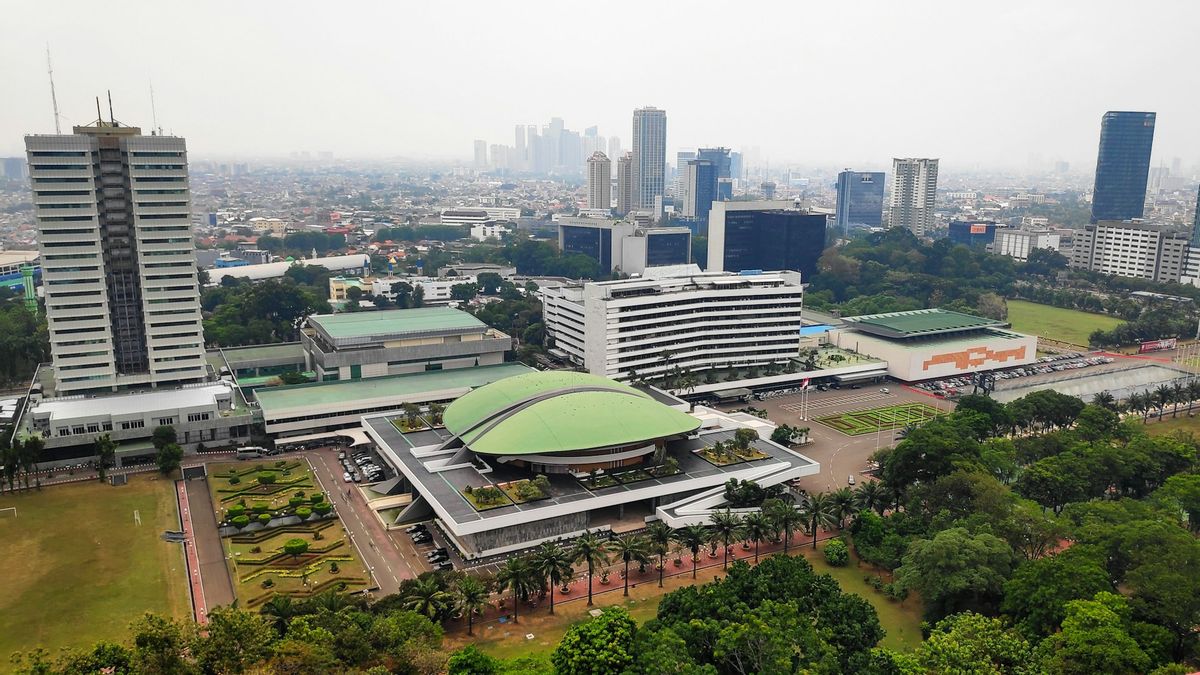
<point x="1064" y="325"/>
<point x="77" y="569"/>
<point x="871" y="420"/>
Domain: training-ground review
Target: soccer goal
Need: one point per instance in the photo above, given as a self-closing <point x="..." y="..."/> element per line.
<point x="8" y="512"/>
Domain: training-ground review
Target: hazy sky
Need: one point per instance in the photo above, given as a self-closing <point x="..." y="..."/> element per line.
<point x="844" y="83"/>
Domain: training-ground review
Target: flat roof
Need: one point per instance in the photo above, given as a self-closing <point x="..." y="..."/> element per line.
<point x="919" y="322"/>
<point x="283" y="350"/>
<point x="129" y="404"/>
<point x="275" y="399"/>
<point x="394" y="322"/>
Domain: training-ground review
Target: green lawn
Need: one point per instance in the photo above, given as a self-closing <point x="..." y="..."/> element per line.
<point x="1064" y="325"/>
<point x="77" y="569"/>
<point x="1169" y="425"/>
<point x="871" y="420"/>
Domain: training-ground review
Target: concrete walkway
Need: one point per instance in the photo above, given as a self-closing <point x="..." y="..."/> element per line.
<point x="218" y="587"/>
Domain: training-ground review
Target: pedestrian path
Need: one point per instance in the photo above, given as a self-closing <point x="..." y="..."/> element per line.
<point x="199" y="606"/>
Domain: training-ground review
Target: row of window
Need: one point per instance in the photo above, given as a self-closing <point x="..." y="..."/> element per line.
<point x="81" y="429"/>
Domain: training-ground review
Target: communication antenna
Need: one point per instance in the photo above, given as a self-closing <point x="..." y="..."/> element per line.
<point x="53" y="96"/>
<point x="111" y="119"/>
<point x="154" y="110"/>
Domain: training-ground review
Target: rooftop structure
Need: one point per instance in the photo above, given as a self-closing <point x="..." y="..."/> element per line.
<point x="918" y="323"/>
<point x="339" y="263"/>
<point x="370" y="344"/>
<point x="606" y="456"/>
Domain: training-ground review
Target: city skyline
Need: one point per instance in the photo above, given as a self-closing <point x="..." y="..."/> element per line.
<point x="359" y="87"/>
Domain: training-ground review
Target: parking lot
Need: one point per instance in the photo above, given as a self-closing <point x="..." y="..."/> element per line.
<point x="1046" y="365"/>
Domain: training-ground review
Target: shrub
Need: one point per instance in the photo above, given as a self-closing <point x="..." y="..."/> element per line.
<point x="300" y="494"/>
<point x="241" y="521"/>
<point x="295" y="501"/>
<point x="468" y="489"/>
<point x="268" y="582"/>
<point x="303" y="512"/>
<point x="322" y="509"/>
<point x="264" y="518"/>
<point x="333" y="567"/>
<point x="341" y="586"/>
<point x="265" y="478"/>
<point x="256" y="549"/>
<point x="260" y="507"/>
<point x="279" y="463"/>
<point x="837" y="553"/>
<point x="234" y="480"/>
<point x="316" y="498"/>
<point x="236" y="510"/>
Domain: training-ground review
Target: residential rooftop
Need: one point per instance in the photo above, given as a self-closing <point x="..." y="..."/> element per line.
<point x="275" y="399"/>
<point x="919" y="323"/>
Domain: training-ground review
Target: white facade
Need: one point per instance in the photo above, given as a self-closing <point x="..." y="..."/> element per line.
<point x="625" y="183"/>
<point x="649" y="156"/>
<point x="485" y="231"/>
<point x="676" y="317"/>
<point x="1020" y="243"/>
<point x="599" y="181"/>
<point x="1131" y="249"/>
<point x="114" y="225"/>
<point x="911" y="361"/>
<point x="357" y="263"/>
<point x="914" y="187"/>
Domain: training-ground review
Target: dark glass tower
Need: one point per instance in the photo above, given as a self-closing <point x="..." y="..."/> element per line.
<point x="1123" y="165"/>
<point x="775" y="239"/>
<point x="859" y="199"/>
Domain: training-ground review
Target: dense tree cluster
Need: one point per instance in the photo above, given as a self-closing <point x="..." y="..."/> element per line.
<point x="1072" y="528"/>
<point x="423" y="233"/>
<point x="246" y="313"/>
<point x="302" y="243"/>
<point x="24" y="341"/>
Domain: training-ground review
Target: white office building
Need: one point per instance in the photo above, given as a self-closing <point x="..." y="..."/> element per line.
<point x="599" y="181"/>
<point x="1020" y="243"/>
<point x="119" y="268"/>
<point x="1131" y="249"/>
<point x="676" y="317"/>
<point x="914" y="187"/>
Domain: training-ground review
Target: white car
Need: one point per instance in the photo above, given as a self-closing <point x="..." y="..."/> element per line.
<point x="346" y="477"/>
<point x="850" y="481"/>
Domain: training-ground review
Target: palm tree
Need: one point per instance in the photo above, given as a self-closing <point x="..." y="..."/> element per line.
<point x="758" y="527"/>
<point x="727" y="526"/>
<point x="693" y="538"/>
<point x="471" y="597"/>
<point x="1178" y="395"/>
<point x="281" y="609"/>
<point x="871" y="495"/>
<point x="818" y="511"/>
<point x="553" y="563"/>
<point x="843" y="504"/>
<point x="1162" y="398"/>
<point x="515" y="574"/>
<point x="659" y="534"/>
<point x="589" y="549"/>
<point x="106" y="454"/>
<point x="630" y="547"/>
<point x="426" y="596"/>
<point x="1193" y="392"/>
<point x="785" y="517"/>
<point x="1136" y="403"/>
<point x="1105" y="400"/>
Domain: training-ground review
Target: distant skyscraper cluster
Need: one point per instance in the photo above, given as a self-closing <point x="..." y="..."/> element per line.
<point x="914" y="187"/>
<point x="1123" y="165"/>
<point x="552" y="149"/>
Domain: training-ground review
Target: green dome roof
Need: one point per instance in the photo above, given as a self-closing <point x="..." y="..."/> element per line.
<point x="560" y="411"/>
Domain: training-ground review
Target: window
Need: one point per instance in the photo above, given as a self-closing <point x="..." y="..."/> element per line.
<point x="63" y="431"/>
<point x="133" y="424"/>
<point x="166" y="421"/>
<point x="79" y="429"/>
<point x="197" y="417"/>
<point x="93" y="428"/>
<point x="107" y="426"/>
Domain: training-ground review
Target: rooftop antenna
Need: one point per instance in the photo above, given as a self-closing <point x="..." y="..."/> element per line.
<point x="99" y="115"/>
<point x="111" y="120"/>
<point x="53" y="96"/>
<point x="154" y="110"/>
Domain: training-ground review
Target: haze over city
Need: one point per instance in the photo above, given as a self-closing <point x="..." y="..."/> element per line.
<point x="1002" y="85"/>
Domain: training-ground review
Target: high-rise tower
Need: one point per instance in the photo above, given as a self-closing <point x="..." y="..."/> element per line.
<point x="1123" y="165"/>
<point x="118" y="263"/>
<point x="649" y="155"/>
<point x="859" y="199"/>
<point x="599" y="181"/>
<point x="625" y="183"/>
<point x="914" y="188"/>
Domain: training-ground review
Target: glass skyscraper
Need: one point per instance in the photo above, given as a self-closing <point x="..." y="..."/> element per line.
<point x="859" y="199"/>
<point x="1123" y="165"/>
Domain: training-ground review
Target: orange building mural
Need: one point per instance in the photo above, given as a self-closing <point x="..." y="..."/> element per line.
<point x="974" y="356"/>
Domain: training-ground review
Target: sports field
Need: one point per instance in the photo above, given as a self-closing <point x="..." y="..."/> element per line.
<point x="1064" y="325"/>
<point x="870" y="420"/>
<point x="77" y="567"/>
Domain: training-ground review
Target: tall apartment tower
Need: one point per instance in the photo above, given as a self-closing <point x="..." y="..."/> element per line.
<point x="1123" y="165"/>
<point x="625" y="183"/>
<point x="599" y="181"/>
<point x="914" y="187"/>
<point x="481" y="154"/>
<point x="859" y="199"/>
<point x="114" y="226"/>
<point x="649" y="156"/>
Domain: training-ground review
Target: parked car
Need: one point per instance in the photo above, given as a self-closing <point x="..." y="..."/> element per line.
<point x="437" y="557"/>
<point x="412" y="529"/>
<point x="422" y="538"/>
<point x="446" y="566"/>
<point x="885" y="390"/>
<point x="850" y="480"/>
<point x="346" y="477"/>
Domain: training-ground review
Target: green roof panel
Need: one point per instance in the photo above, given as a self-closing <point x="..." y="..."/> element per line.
<point x="395" y="322"/>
